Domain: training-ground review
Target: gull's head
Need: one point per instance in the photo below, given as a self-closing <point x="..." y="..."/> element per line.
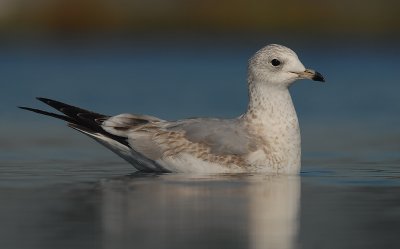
<point x="278" y="65"/>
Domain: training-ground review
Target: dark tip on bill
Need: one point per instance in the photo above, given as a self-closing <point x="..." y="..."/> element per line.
<point x="318" y="77"/>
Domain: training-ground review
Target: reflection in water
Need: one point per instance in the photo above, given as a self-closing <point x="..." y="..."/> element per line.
<point x="176" y="211"/>
<point x="273" y="210"/>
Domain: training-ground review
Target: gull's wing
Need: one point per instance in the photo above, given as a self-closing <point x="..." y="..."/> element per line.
<point x="221" y="141"/>
<point x="153" y="144"/>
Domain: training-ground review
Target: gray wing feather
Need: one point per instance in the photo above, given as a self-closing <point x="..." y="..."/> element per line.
<point x="223" y="136"/>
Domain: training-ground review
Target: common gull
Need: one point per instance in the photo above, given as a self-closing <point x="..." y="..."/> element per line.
<point x="266" y="138"/>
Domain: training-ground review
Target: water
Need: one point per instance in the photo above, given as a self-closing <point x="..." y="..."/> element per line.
<point x="59" y="189"/>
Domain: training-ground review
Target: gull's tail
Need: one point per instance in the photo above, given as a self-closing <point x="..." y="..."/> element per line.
<point x="89" y="123"/>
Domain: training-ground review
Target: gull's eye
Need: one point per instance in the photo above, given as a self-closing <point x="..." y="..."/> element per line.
<point x="275" y="62"/>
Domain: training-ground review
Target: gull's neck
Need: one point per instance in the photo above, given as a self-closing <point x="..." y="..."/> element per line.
<point x="272" y="115"/>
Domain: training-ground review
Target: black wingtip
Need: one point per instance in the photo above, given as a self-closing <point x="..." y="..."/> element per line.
<point x="54" y="115"/>
<point x="77" y="118"/>
<point x="27" y="108"/>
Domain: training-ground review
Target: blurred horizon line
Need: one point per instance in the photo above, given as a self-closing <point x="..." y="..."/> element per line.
<point x="47" y="18"/>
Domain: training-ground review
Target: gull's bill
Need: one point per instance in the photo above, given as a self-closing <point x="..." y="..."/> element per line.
<point x="311" y="74"/>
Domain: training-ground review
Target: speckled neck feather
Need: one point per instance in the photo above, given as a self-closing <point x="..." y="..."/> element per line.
<point x="271" y="114"/>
